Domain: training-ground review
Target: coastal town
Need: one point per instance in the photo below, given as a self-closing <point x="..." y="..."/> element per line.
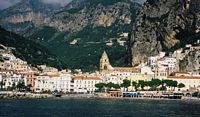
<point x="158" y="74"/>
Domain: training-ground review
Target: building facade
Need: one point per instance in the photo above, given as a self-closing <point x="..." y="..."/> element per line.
<point x="85" y="84"/>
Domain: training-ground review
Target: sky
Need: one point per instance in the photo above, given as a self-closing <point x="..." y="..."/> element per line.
<point x="7" y="3"/>
<point x="60" y="2"/>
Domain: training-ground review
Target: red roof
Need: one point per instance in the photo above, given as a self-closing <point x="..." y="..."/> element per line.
<point x="183" y="77"/>
<point x="85" y="78"/>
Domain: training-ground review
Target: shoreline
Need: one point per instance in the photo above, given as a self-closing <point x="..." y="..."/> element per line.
<point x="23" y="95"/>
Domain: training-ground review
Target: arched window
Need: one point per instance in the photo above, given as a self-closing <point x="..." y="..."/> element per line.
<point x="105" y="67"/>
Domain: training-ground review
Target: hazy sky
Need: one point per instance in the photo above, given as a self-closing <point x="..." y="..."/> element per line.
<point x="61" y="2"/>
<point x="7" y="3"/>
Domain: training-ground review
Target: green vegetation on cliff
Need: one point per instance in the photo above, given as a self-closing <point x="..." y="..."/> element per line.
<point x="27" y="50"/>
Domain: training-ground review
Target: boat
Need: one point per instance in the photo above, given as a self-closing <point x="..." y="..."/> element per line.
<point x="57" y="94"/>
<point x="174" y="95"/>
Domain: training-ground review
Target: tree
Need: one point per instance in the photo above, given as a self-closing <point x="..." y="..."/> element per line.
<point x="116" y="86"/>
<point x="142" y="84"/>
<point x="20" y="86"/>
<point x="100" y="86"/>
<point x="174" y="84"/>
<point x="28" y="87"/>
<point x="2" y="84"/>
<point x="135" y="85"/>
<point x="13" y="86"/>
<point x="126" y="83"/>
<point x="181" y="85"/>
<point x="162" y="85"/>
<point x="154" y="84"/>
<point x="110" y="85"/>
<point x="169" y="83"/>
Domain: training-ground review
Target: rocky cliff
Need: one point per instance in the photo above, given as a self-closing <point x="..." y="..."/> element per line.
<point x="26" y="15"/>
<point x="165" y="25"/>
<point x="191" y="62"/>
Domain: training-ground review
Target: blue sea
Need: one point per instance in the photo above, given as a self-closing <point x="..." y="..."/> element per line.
<point x="98" y="108"/>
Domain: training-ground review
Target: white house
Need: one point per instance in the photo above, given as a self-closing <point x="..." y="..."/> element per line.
<point x="113" y="79"/>
<point x="56" y="82"/>
<point x="84" y="84"/>
<point x="10" y="80"/>
<point x="42" y="83"/>
<point x="62" y="83"/>
<point x="192" y="83"/>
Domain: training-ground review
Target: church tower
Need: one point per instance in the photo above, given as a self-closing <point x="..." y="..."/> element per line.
<point x="104" y="63"/>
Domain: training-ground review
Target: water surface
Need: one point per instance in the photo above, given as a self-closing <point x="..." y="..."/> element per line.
<point x="98" y="108"/>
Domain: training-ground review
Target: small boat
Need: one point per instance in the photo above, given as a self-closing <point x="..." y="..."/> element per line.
<point x="57" y="94"/>
<point x="176" y="95"/>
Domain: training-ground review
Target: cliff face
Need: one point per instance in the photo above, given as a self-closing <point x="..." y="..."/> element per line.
<point x="164" y="25"/>
<point x="191" y="62"/>
<point x="23" y="17"/>
<point x="80" y="14"/>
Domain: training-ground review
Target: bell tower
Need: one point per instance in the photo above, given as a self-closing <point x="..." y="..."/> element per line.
<point x="104" y="63"/>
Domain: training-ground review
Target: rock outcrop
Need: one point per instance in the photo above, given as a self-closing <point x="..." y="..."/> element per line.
<point x="191" y="62"/>
<point x="26" y="15"/>
<point x="164" y="25"/>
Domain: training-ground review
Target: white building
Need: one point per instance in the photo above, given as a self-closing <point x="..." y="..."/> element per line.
<point x="62" y="83"/>
<point x="153" y="60"/>
<point x="10" y="57"/>
<point x="84" y="84"/>
<point x="145" y="70"/>
<point x="113" y="79"/>
<point x="58" y="82"/>
<point x="42" y="83"/>
<point x="11" y="79"/>
<point x="48" y="70"/>
<point x="167" y="63"/>
<point x="192" y="83"/>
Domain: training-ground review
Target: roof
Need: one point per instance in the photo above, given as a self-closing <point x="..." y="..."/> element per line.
<point x="85" y="78"/>
<point x="113" y="75"/>
<point x="181" y="73"/>
<point x="54" y="75"/>
<point x="28" y="73"/>
<point x="126" y="68"/>
<point x="183" y="77"/>
<point x="50" y="75"/>
<point x="6" y="71"/>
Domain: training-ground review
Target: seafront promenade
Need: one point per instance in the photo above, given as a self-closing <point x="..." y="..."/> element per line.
<point x="24" y="95"/>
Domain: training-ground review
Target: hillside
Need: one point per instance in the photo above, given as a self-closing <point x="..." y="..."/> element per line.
<point x="79" y="32"/>
<point x="27" y="50"/>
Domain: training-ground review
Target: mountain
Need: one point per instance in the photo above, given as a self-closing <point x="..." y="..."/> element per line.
<point x="26" y="15"/>
<point x="165" y="25"/>
<point x="34" y="53"/>
<point x="79" y="32"/>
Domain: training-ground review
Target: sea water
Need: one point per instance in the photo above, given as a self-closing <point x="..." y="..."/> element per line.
<point x="98" y="108"/>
